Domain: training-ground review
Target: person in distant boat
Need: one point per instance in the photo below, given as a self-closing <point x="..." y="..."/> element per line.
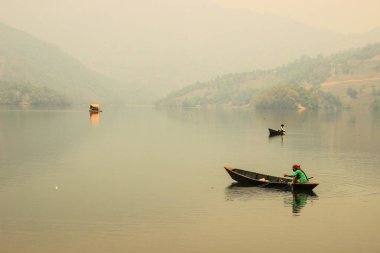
<point x="299" y="176"/>
<point x="282" y="128"/>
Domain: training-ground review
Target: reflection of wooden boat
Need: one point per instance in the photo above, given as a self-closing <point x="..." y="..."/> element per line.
<point x="273" y="132"/>
<point x="94" y="108"/>
<point x="258" y="179"/>
<point x="95" y="118"/>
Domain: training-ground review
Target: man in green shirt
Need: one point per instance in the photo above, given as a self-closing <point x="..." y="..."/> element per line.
<point x="299" y="176"/>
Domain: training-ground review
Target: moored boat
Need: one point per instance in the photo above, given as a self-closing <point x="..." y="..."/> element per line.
<point x="263" y="180"/>
<point x="273" y="132"/>
<point x="94" y="108"/>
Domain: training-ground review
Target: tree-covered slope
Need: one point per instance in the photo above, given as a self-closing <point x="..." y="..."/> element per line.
<point x="32" y="70"/>
<point x="304" y="83"/>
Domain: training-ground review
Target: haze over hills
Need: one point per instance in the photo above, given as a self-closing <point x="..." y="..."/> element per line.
<point x="349" y="79"/>
<point x="31" y="64"/>
<point x="154" y="47"/>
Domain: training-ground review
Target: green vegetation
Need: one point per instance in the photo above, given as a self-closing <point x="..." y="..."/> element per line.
<point x="329" y="101"/>
<point x="294" y="86"/>
<point x="279" y="97"/>
<point x="296" y="97"/>
<point x="375" y="91"/>
<point x="25" y="93"/>
<point x="310" y="70"/>
<point x="243" y="96"/>
<point x="222" y="90"/>
<point x="375" y="105"/>
<point x="352" y="93"/>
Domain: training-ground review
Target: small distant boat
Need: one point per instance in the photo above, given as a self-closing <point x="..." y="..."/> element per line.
<point x="258" y="179"/>
<point x="273" y="132"/>
<point x="94" y="108"/>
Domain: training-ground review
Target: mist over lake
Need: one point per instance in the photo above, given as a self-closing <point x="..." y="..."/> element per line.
<point x="146" y="179"/>
<point x="123" y="125"/>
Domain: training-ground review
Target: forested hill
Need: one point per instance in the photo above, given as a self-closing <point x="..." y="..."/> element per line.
<point x="346" y="79"/>
<point x="35" y="72"/>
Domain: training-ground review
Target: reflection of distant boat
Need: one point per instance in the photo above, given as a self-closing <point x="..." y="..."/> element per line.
<point x="257" y="179"/>
<point x="95" y="118"/>
<point x="95" y="108"/>
<point x="273" y="132"/>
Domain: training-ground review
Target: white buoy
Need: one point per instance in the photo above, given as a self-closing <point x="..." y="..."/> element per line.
<point x="56" y="187"/>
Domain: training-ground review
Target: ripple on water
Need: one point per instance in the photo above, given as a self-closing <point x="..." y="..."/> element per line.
<point x="243" y="193"/>
<point x="335" y="184"/>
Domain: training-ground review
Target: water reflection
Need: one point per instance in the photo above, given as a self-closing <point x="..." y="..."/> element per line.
<point x="296" y="200"/>
<point x="300" y="199"/>
<point x="95" y="118"/>
<point x="276" y="137"/>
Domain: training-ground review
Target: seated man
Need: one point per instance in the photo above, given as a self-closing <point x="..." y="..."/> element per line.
<point x="282" y="128"/>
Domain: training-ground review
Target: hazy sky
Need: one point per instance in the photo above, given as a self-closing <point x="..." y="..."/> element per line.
<point x="167" y="44"/>
<point x="345" y="16"/>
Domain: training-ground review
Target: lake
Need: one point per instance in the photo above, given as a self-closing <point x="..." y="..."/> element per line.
<point x="144" y="179"/>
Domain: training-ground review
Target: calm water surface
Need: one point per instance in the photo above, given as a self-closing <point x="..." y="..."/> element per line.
<point x="152" y="180"/>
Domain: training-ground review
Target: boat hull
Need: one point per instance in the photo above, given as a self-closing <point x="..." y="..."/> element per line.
<point x="94" y="111"/>
<point x="273" y="132"/>
<point x="258" y="179"/>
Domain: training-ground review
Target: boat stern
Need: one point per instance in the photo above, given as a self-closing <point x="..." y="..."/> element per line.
<point x="229" y="168"/>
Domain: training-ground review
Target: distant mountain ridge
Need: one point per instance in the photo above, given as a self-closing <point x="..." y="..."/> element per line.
<point x="159" y="46"/>
<point x="26" y="61"/>
<point x="346" y="79"/>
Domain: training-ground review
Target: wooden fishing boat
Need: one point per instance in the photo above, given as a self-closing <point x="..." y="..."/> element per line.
<point x="258" y="179"/>
<point x="273" y="132"/>
<point x="94" y="108"/>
